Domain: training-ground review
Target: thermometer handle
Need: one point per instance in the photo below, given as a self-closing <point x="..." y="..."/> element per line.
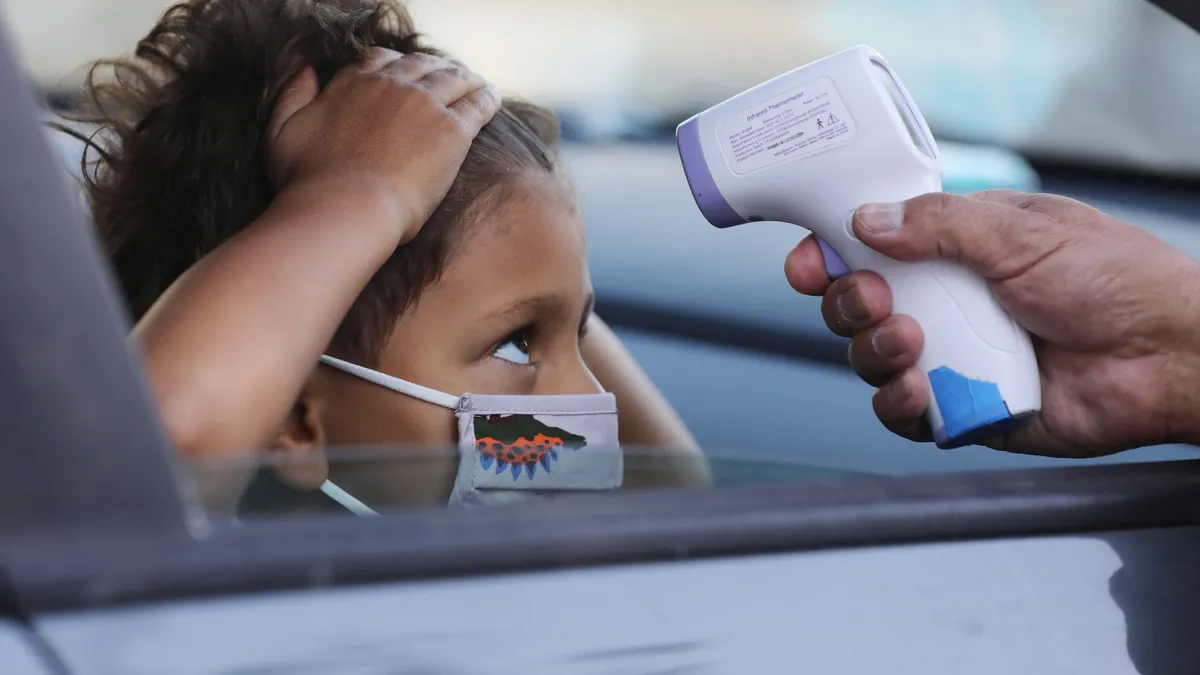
<point x="982" y="371"/>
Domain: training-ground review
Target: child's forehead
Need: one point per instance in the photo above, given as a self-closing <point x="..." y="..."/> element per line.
<point x="533" y="235"/>
<point x="525" y="258"/>
<point x="531" y="211"/>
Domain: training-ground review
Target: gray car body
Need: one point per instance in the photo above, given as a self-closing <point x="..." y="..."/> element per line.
<point x="1030" y="606"/>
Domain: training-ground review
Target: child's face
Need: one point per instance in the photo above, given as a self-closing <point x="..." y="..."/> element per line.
<point x="505" y="318"/>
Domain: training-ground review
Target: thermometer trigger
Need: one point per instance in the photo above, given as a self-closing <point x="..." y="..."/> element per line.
<point x="835" y="267"/>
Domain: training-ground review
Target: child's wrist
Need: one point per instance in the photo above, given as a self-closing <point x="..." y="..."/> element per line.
<point x="361" y="199"/>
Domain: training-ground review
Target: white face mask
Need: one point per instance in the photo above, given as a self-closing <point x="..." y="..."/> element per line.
<point x="514" y="447"/>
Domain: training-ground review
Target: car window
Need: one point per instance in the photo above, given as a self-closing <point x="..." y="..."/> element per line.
<point x="372" y="480"/>
<point x="1005" y="84"/>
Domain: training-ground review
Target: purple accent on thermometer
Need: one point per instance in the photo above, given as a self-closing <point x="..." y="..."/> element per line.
<point x="835" y="267"/>
<point x="712" y="204"/>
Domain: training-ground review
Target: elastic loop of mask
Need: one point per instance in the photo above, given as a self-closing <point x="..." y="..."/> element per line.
<point x="394" y="383"/>
<point x="347" y="500"/>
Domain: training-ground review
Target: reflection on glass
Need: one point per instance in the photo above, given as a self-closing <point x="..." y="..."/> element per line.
<point x="368" y="480"/>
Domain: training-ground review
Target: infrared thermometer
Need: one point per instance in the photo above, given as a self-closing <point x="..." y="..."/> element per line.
<point x="811" y="146"/>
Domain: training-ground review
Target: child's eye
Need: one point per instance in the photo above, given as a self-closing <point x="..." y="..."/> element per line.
<point x="515" y="349"/>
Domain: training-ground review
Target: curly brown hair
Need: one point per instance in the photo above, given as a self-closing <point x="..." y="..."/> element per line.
<point x="176" y="164"/>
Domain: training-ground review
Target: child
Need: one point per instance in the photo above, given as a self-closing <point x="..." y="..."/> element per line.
<point x="279" y="180"/>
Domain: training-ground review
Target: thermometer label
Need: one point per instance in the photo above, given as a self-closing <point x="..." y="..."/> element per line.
<point x="797" y="123"/>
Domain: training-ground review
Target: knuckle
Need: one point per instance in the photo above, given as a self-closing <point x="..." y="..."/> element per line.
<point x="474" y="109"/>
<point x="465" y="126"/>
<point x="441" y="77"/>
<point x="1032" y="202"/>
<point x="1006" y="195"/>
<point x="431" y="81"/>
<point x="378" y="79"/>
<point x="384" y="54"/>
<point x="450" y="122"/>
<point x="934" y="207"/>
<point x="421" y="91"/>
<point x="1043" y="204"/>
<point x="459" y="121"/>
<point x="471" y="105"/>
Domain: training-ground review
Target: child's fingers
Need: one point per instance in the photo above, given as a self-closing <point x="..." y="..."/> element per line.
<point x="411" y="68"/>
<point x="450" y="83"/>
<point x="376" y="59"/>
<point x="477" y="108"/>
<point x="299" y="93"/>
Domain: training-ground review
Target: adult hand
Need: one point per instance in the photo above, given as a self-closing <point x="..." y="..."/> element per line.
<point x="1113" y="312"/>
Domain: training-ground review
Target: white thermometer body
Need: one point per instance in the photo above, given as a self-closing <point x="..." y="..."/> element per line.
<point x="811" y="146"/>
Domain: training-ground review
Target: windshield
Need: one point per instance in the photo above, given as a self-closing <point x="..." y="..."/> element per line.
<point x="1107" y="82"/>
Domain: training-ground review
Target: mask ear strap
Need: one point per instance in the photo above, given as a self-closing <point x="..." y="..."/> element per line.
<point x="394" y="383"/>
<point x="347" y="500"/>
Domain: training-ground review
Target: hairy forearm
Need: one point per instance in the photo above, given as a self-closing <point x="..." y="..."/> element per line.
<point x="229" y="346"/>
<point x="668" y="453"/>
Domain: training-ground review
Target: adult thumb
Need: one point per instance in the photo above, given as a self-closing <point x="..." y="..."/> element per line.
<point x="301" y="91"/>
<point x="993" y="238"/>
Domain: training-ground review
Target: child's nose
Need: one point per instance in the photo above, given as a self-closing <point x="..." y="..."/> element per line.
<point x="576" y="378"/>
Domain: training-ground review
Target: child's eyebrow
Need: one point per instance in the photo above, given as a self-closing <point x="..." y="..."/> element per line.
<point x="526" y="309"/>
<point x="540" y="304"/>
<point x="530" y="305"/>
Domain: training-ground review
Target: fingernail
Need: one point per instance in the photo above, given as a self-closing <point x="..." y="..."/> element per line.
<point x="887" y="342"/>
<point x="852" y="306"/>
<point x="880" y="218"/>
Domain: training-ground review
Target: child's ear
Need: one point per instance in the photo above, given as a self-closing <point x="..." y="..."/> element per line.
<point x="299" y="448"/>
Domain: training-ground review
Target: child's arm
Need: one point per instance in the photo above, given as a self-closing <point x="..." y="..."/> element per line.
<point x="646" y="419"/>
<point x="361" y="164"/>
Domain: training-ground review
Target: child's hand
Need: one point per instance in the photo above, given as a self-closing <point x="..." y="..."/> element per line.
<point x="403" y="123"/>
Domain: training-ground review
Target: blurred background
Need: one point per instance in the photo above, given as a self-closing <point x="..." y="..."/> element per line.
<point x="1109" y="81"/>
<point x="1096" y="99"/>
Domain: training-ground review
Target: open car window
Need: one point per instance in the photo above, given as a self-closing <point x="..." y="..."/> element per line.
<point x="739" y="448"/>
<point x="113" y="562"/>
<point x="368" y="481"/>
